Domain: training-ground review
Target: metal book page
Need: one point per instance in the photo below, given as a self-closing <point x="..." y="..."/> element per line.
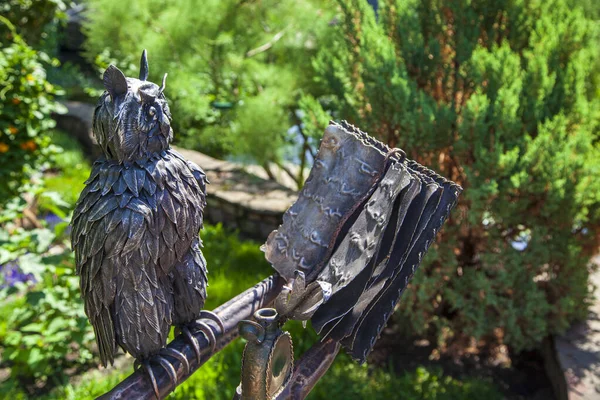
<point x="344" y="173"/>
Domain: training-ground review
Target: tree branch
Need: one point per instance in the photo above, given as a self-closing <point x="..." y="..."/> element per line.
<point x="266" y="46"/>
<point x="304" y="136"/>
<point x="269" y="172"/>
<point x="288" y="171"/>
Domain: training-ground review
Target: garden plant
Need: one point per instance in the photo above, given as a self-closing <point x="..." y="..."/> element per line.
<point x="500" y="96"/>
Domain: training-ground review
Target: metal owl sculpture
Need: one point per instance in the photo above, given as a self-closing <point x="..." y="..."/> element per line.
<point x="136" y="227"/>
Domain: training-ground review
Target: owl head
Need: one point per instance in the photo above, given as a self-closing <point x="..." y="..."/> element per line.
<point x="132" y="120"/>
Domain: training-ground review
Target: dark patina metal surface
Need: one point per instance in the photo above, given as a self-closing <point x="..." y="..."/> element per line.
<point x="268" y="357"/>
<point x="135" y="226"/>
<point x="268" y="371"/>
<point x="309" y="369"/>
<point x="241" y="307"/>
<point x="344" y="254"/>
<point x="328" y="198"/>
<point x="360" y="228"/>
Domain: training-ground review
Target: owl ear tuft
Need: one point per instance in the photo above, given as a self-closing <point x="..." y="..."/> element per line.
<point x="144" y="66"/>
<point x="115" y="82"/>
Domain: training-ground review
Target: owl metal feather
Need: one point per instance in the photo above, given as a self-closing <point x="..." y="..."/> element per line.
<point x="136" y="226"/>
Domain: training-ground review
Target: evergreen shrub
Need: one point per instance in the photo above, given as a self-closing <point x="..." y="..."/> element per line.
<point x="500" y="96"/>
<point x="26" y="103"/>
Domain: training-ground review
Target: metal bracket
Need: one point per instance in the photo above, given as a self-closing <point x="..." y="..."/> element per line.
<point x="268" y="359"/>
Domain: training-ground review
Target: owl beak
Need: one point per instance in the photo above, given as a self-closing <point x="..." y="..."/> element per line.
<point x="153" y="131"/>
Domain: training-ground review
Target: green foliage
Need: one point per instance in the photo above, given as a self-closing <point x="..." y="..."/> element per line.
<point x="48" y="331"/>
<point x="26" y="102"/>
<point x="45" y="331"/>
<point x="219" y="377"/>
<point x="235" y="67"/>
<point x="69" y="170"/>
<point x="349" y="381"/>
<point x="31" y="17"/>
<point x="228" y="256"/>
<point x="500" y="97"/>
<point x="90" y="386"/>
<point x="77" y="83"/>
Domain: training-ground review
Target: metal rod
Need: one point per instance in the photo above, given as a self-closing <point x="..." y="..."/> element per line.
<point x="309" y="369"/>
<point x="138" y="386"/>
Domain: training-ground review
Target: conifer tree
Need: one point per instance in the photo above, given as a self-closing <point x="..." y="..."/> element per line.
<point x="499" y="96"/>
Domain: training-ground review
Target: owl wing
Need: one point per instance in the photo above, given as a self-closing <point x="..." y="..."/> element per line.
<point x="197" y="173"/>
<point x="126" y="240"/>
<point x="96" y="271"/>
<point x="190" y="274"/>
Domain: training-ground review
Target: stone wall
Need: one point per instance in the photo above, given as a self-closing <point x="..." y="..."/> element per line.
<point x="236" y="198"/>
<point x="241" y="200"/>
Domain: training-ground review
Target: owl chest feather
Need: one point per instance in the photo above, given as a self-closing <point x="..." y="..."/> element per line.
<point x="155" y="205"/>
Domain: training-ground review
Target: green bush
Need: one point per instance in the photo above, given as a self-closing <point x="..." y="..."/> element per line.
<point x="44" y="333"/>
<point x="49" y="331"/>
<point x="26" y="102"/>
<point x="500" y="97"/>
<point x="227" y="255"/>
<point x="31" y="17"/>
<point x="45" y="330"/>
<point x="237" y="69"/>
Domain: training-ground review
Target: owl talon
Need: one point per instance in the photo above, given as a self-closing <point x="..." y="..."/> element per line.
<point x="146" y="365"/>
<point x="169" y="368"/>
<point x="192" y="341"/>
<point x="213" y="317"/>
<point x="208" y="333"/>
<point x="178" y="356"/>
<point x="164" y="363"/>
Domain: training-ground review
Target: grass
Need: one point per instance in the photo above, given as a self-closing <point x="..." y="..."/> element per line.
<point x="70" y="168"/>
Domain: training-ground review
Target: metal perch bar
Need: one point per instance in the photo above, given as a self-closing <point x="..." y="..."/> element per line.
<point x="137" y="385"/>
<point x="310" y="368"/>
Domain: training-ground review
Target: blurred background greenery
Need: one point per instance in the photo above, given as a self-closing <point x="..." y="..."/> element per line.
<point x="500" y="96"/>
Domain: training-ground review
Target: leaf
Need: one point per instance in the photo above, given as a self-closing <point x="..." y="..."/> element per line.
<point x="32" y="264"/>
<point x="43" y="238"/>
<point x="6" y="256"/>
<point x="57" y="324"/>
<point x="35" y="356"/>
<point x="58" y="337"/>
<point x="31" y="340"/>
<point x="56" y="199"/>
<point x="34" y="298"/>
<point x="35" y="327"/>
<point x="60" y="229"/>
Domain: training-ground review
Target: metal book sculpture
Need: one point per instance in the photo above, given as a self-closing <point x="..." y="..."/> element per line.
<point x="347" y="249"/>
<point x="135" y="228"/>
<point x="357" y="233"/>
<point x="343" y="255"/>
